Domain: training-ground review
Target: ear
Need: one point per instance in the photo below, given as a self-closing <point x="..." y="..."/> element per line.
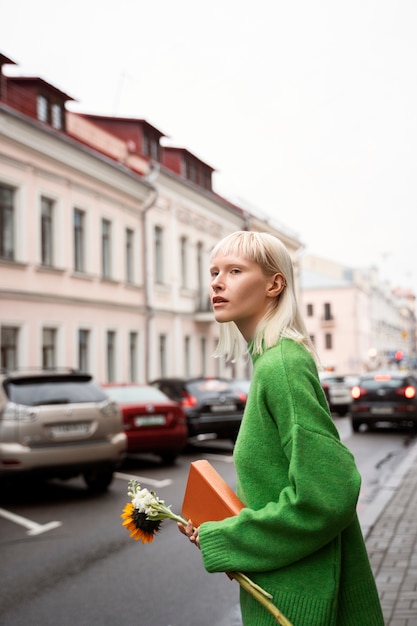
<point x="276" y="284"/>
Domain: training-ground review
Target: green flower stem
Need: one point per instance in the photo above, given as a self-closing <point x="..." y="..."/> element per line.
<point x="246" y="583"/>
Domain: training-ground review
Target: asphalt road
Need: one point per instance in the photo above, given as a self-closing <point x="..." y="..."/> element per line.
<point x="67" y="561"/>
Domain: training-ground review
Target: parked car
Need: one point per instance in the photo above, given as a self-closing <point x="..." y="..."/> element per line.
<point x="351" y="379"/>
<point x="152" y="421"/>
<point x="242" y="386"/>
<point x="337" y="392"/>
<point x="212" y="406"/>
<point x="385" y="399"/>
<point x="59" y="423"/>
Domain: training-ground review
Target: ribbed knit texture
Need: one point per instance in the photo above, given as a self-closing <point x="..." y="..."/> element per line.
<point x="299" y="537"/>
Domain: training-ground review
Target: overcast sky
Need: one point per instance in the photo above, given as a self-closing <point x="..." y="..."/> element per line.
<point x="306" y="109"/>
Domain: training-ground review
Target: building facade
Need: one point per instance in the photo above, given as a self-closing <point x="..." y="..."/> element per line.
<point x="105" y="238"/>
<point x="357" y="322"/>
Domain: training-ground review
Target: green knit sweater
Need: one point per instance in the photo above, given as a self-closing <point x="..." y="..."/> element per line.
<point x="299" y="537"/>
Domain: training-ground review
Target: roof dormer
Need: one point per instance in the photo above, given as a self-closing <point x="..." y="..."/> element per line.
<point x="37" y="99"/>
<point x="187" y="165"/>
<point x="142" y="138"/>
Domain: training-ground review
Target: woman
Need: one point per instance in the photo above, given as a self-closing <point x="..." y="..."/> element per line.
<point x="298" y="536"/>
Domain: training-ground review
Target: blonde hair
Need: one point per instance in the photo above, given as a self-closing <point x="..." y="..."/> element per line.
<point x="283" y="318"/>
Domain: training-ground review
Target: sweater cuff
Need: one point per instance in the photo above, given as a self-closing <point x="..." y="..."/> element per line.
<point x="212" y="548"/>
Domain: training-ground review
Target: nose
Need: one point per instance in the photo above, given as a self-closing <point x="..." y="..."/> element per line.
<point x="216" y="283"/>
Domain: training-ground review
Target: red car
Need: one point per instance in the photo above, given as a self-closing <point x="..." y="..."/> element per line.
<point x="152" y="422"/>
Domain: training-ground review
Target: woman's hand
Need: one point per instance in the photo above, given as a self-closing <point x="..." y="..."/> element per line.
<point x="190" y="532"/>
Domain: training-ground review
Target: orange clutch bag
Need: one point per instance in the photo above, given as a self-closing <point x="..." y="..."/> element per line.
<point x="207" y="496"/>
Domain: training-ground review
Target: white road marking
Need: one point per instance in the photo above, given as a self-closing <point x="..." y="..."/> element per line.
<point x="34" y="527"/>
<point x="219" y="457"/>
<point x="144" y="480"/>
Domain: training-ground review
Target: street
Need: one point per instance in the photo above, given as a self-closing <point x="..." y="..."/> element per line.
<point x="66" y="559"/>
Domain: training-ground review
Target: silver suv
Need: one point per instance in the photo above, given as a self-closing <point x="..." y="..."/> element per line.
<point x="59" y="423"/>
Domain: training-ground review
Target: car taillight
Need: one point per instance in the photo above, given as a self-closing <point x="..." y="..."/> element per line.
<point x="109" y="407"/>
<point x="188" y="402"/>
<point x="19" y="412"/>
<point x="406" y="392"/>
<point x="358" y="392"/>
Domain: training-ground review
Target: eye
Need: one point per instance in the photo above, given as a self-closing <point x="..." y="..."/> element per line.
<point x="235" y="270"/>
<point x="214" y="273"/>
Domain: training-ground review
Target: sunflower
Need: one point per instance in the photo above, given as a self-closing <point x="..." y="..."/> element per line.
<point x="139" y="525"/>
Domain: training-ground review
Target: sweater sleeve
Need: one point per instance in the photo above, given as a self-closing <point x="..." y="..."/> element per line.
<point x="317" y="501"/>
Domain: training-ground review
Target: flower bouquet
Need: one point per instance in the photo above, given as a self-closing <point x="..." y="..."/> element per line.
<point x="143" y="517"/>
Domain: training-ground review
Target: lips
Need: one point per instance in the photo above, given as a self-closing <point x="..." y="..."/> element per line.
<point x="218" y="300"/>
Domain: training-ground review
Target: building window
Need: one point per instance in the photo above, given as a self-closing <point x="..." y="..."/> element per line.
<point x="159" y="258"/>
<point x="183" y="261"/>
<point x="187" y="356"/>
<point x="9" y="347"/>
<point x="111" y="355"/>
<point x="202" y="290"/>
<point x="150" y="145"/>
<point x="133" y="357"/>
<point x="6" y="223"/>
<point x="83" y="350"/>
<point x="48" y="348"/>
<point x="163" y="355"/>
<point x="42" y="109"/>
<point x="79" y="240"/>
<point x="129" y="255"/>
<point x="57" y="115"/>
<point x="328" y="341"/>
<point x="203" y="355"/>
<point x="328" y="311"/>
<point x="310" y="310"/>
<point x="47" y="207"/>
<point x="217" y="362"/>
<point x="106" y="248"/>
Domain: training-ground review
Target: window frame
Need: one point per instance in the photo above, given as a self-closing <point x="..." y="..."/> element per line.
<point x="7" y="222"/>
<point x="79" y="239"/>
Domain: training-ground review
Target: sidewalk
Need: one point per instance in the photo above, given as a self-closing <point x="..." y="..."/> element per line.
<point x="390" y="530"/>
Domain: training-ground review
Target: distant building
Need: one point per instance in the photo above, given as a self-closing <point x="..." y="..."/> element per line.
<point x="357" y="322"/>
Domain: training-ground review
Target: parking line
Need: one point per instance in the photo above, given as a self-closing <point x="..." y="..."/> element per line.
<point x="34" y="527"/>
<point x="144" y="480"/>
<point x="219" y="457"/>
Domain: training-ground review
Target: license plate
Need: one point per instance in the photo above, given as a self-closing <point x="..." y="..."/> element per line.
<point x="381" y="410"/>
<point x="150" y="420"/>
<point x="67" y="430"/>
<point x="218" y="408"/>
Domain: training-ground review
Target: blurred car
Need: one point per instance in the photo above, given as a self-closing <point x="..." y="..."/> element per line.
<point x="242" y="386"/>
<point x="337" y="392"/>
<point x="351" y="380"/>
<point x="385" y="399"/>
<point x="152" y="421"/>
<point x="59" y="423"/>
<point x="212" y="406"/>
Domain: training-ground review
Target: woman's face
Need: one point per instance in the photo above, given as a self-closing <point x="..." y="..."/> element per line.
<point x="241" y="292"/>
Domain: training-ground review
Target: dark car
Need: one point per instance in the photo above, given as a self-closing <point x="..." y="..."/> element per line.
<point x="153" y="422"/>
<point x="212" y="406"/>
<point x="242" y="386"/>
<point x="59" y="424"/>
<point x="385" y="399"/>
